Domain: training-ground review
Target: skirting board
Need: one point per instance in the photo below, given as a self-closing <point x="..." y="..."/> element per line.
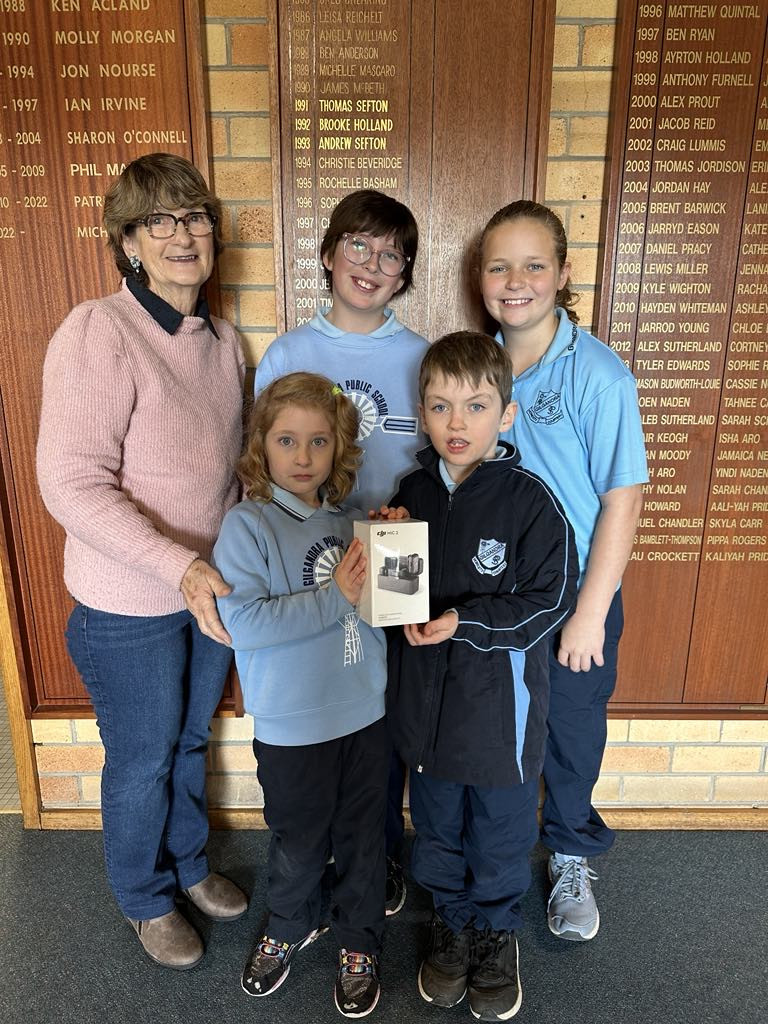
<point x="734" y="819"/>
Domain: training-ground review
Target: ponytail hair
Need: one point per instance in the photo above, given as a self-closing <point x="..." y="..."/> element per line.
<point x="535" y="211"/>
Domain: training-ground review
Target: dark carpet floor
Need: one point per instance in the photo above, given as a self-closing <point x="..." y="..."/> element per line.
<point x="682" y="941"/>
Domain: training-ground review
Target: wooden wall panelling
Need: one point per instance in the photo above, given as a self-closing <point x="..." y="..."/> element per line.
<point x="456" y="127"/>
<point x="688" y="120"/>
<point x="83" y="92"/>
<point x="479" y="132"/>
<point x="729" y="623"/>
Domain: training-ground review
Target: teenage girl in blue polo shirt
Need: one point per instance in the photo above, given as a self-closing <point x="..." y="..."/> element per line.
<point x="579" y="428"/>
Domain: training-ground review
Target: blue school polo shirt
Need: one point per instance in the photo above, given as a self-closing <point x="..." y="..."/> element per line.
<point x="578" y="425"/>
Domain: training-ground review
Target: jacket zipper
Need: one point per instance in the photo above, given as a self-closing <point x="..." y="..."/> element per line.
<point x="430" y="728"/>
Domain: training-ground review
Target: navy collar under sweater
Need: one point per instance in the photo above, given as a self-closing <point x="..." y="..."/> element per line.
<point x="162" y="312"/>
<point x="295" y="507"/>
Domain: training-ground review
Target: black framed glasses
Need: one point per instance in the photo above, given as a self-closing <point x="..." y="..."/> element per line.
<point x="163" y="225"/>
<point x="359" y="250"/>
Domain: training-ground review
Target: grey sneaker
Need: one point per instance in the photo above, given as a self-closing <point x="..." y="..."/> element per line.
<point x="572" y="911"/>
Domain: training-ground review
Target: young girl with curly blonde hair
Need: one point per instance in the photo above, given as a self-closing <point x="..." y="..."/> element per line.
<point x="313" y="677"/>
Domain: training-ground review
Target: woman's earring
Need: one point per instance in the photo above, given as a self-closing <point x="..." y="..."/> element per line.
<point x="135" y="263"/>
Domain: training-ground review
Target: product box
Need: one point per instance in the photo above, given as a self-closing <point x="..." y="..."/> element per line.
<point x="396" y="589"/>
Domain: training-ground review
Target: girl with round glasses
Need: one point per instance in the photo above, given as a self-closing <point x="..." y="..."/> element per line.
<point x="368" y="255"/>
<point x="360" y="250"/>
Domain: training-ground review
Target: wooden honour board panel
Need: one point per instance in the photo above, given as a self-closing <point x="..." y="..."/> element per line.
<point x="685" y="303"/>
<point x="440" y="103"/>
<point x="85" y="87"/>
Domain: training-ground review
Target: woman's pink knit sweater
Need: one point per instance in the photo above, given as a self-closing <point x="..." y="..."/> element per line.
<point x="139" y="435"/>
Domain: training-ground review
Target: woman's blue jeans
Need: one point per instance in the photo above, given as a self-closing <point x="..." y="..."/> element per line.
<point x="155" y="682"/>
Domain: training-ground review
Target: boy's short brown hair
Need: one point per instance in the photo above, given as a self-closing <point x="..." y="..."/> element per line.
<point x="468" y="356"/>
<point x="367" y="212"/>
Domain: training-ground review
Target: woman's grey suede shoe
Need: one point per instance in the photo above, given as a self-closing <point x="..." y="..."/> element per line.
<point x="218" y="898"/>
<point x="170" y="941"/>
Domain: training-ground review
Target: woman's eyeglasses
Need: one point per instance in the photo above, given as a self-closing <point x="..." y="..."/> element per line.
<point x="164" y="225"/>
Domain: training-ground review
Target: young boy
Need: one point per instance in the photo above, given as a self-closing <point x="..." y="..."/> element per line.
<point x="368" y="255"/>
<point x="468" y="693"/>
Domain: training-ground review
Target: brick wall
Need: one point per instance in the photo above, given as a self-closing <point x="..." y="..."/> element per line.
<point x="711" y="764"/>
<point x="648" y="763"/>
<point x="578" y="134"/>
<point x="236" y="58"/>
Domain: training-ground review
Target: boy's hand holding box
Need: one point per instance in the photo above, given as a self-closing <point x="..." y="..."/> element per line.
<point x="396" y="588"/>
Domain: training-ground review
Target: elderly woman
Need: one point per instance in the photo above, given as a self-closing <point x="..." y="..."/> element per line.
<point x="139" y="435"/>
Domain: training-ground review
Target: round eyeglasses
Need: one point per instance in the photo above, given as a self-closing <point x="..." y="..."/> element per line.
<point x="359" y="250"/>
<point x="163" y="225"/>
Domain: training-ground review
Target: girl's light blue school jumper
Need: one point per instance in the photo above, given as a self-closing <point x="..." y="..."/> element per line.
<point x="310" y="670"/>
<point x="380" y="373"/>
<point x="578" y="425"/>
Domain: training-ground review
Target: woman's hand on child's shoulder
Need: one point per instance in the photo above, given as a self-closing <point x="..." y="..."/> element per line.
<point x="388" y="512"/>
<point x="350" y="572"/>
<point x="434" y="631"/>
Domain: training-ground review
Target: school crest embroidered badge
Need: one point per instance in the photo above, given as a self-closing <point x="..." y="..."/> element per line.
<point x="546" y="408"/>
<point x="490" y="559"/>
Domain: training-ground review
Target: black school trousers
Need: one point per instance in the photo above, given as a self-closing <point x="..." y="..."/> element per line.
<point x="322" y="800"/>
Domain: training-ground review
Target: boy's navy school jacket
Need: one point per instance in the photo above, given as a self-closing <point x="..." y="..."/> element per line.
<point x="473" y="709"/>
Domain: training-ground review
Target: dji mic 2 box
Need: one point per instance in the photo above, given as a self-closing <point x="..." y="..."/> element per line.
<point x="396" y="589"/>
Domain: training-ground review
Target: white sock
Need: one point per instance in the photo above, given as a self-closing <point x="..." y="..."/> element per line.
<point x="563" y="858"/>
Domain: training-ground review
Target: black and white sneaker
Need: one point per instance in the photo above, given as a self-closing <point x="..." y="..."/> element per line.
<point x="396" y="889"/>
<point x="494" y="985"/>
<point x="269" y="963"/>
<point x="444" y="970"/>
<point x="357" y="983"/>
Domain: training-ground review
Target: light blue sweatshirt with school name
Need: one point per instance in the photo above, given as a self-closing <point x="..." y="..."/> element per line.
<point x="309" y="668"/>
<point x="379" y="372"/>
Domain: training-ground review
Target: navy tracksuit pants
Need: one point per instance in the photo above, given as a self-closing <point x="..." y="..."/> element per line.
<point x="472" y="849"/>
<point x="577" y="733"/>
